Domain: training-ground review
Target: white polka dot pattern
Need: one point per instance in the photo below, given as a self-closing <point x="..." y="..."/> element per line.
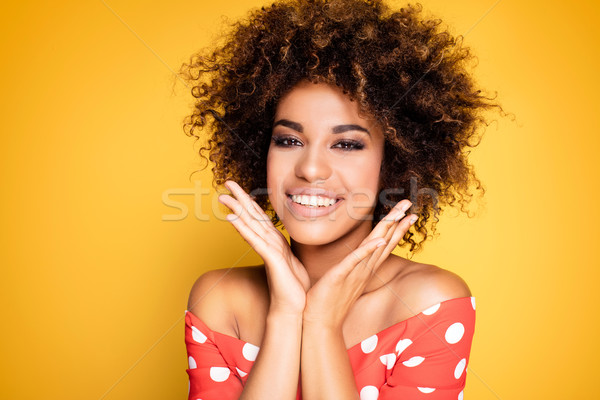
<point x="455" y="332"/>
<point x="368" y="345"/>
<point x="402" y="345"/>
<point x="369" y="393"/>
<point x="219" y="374"/>
<point x="431" y="310"/>
<point x="197" y="335"/>
<point x="388" y="360"/>
<point x="460" y="367"/>
<point x="414" y="359"/>
<point x="250" y="351"/>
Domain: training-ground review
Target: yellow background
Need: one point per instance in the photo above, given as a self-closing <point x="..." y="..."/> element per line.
<point x="95" y="281"/>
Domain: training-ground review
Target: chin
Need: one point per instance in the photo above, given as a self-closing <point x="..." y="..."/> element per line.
<point x="317" y="233"/>
<point x="311" y="240"/>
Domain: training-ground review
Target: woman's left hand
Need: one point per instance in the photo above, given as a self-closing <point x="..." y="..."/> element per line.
<point x="329" y="300"/>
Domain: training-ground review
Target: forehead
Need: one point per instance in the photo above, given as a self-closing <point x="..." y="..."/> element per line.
<point x="321" y="103"/>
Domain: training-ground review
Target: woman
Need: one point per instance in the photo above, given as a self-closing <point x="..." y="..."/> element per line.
<point x="325" y="116"/>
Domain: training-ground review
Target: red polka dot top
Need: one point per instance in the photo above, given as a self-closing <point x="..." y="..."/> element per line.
<point x="422" y="357"/>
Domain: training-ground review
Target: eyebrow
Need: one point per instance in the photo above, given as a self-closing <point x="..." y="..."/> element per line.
<point x="336" y="129"/>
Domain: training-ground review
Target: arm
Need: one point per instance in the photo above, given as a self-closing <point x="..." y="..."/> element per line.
<point x="329" y="374"/>
<point x="276" y="370"/>
<point x="211" y="375"/>
<point x="272" y="375"/>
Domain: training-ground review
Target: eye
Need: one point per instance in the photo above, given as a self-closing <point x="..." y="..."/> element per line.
<point x="285" y="141"/>
<point x="348" y="145"/>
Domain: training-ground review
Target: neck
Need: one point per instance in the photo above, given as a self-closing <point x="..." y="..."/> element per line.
<point x="318" y="259"/>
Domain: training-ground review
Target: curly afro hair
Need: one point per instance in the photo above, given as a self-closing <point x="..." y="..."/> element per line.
<point x="399" y="66"/>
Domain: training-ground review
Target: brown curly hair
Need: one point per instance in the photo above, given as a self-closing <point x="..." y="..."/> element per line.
<point x="400" y="67"/>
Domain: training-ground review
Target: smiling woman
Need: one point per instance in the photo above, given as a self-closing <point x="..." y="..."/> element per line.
<point x="323" y="113"/>
<point x="320" y="146"/>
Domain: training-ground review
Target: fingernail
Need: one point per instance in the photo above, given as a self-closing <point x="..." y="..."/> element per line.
<point x="413" y="219"/>
<point x="230" y="217"/>
<point x="406" y="207"/>
<point x="382" y="243"/>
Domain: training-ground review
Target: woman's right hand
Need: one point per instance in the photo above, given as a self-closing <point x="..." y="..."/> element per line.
<point x="287" y="278"/>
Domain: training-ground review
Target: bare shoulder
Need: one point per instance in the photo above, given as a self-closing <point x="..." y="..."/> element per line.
<point x="424" y="285"/>
<point x="217" y="296"/>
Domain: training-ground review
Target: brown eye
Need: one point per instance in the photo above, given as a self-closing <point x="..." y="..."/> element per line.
<point x="348" y="145"/>
<point x="285" y="141"/>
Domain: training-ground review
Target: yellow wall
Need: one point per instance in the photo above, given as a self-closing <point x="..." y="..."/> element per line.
<point x="94" y="282"/>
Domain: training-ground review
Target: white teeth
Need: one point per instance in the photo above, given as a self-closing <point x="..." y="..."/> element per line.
<point x="313" y="201"/>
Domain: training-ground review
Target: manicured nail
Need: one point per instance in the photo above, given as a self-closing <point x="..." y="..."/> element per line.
<point x="231" y="217"/>
<point x="406" y="207"/>
<point x="413" y="219"/>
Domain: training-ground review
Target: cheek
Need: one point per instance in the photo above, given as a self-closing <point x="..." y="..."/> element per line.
<point x="363" y="173"/>
<point x="362" y="182"/>
<point x="275" y="175"/>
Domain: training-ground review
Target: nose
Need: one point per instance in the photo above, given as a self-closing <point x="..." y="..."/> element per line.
<point x="312" y="165"/>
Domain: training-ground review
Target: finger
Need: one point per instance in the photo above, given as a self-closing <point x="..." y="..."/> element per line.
<point x="386" y="228"/>
<point x="239" y="212"/>
<point x="244" y="199"/>
<point x="255" y="240"/>
<point x="261" y="244"/>
<point x="359" y="255"/>
<point x="398" y="234"/>
<point x="342" y="272"/>
<point x="248" y="203"/>
<point x="382" y="252"/>
<point x="399" y="210"/>
<point x="263" y="217"/>
<point x="392" y="235"/>
<point x="258" y="213"/>
<point x="390" y="220"/>
<point x="261" y="236"/>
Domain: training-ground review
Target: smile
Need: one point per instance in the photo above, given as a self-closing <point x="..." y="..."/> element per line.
<point x="313" y="201"/>
<point x="312" y="206"/>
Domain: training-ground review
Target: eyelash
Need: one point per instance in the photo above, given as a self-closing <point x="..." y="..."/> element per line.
<point x="354" y="145"/>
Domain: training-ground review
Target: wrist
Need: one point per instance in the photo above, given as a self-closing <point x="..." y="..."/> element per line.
<point x="278" y="314"/>
<point x="316" y="332"/>
<point x="321" y="323"/>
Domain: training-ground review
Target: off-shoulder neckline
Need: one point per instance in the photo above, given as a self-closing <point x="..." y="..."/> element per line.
<point x="404" y="321"/>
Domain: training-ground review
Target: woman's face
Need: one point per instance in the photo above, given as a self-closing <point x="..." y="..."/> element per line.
<point x="324" y="155"/>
